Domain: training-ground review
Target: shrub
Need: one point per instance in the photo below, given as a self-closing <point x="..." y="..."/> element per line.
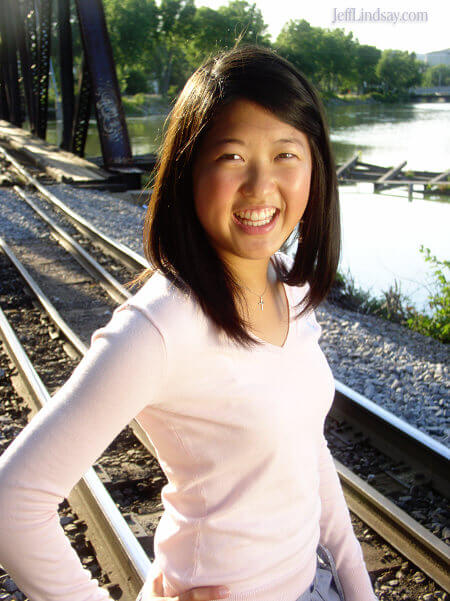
<point x="437" y="324"/>
<point x="376" y="96"/>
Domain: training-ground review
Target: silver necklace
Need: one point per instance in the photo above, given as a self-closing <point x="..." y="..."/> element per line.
<point x="261" y="302"/>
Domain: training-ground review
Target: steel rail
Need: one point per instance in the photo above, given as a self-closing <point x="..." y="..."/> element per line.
<point x="400" y="530"/>
<point x="120" y="252"/>
<point x="115" y="290"/>
<point x="393" y="436"/>
<point x="117" y="547"/>
<point x="65" y="329"/>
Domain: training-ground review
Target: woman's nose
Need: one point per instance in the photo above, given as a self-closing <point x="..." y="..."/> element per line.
<point x="259" y="182"/>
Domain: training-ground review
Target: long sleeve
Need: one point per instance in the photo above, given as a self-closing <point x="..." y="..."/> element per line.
<point x="122" y="372"/>
<point x="336" y="533"/>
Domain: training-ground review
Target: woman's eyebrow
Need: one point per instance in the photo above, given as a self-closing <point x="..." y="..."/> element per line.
<point x="228" y="141"/>
<point x="242" y="143"/>
<point x="292" y="141"/>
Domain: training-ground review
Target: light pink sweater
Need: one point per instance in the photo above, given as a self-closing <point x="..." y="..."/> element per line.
<point x="239" y="434"/>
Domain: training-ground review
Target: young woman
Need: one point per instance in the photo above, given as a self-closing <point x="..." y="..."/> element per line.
<point x="217" y="355"/>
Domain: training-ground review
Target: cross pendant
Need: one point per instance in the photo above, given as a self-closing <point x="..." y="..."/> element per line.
<point x="261" y="303"/>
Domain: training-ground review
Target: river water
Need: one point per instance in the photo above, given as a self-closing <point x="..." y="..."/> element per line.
<point x="381" y="233"/>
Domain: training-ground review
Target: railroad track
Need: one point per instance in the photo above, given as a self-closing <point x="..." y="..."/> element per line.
<point x="428" y="461"/>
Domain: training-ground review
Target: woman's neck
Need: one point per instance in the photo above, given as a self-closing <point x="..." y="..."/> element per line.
<point x="254" y="275"/>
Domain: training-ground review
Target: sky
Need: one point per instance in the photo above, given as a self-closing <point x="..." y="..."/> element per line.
<point x="428" y="35"/>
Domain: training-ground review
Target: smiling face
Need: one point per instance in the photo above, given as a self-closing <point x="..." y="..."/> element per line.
<point x="251" y="181"/>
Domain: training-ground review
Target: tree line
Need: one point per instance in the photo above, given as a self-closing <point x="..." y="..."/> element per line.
<point x="157" y="46"/>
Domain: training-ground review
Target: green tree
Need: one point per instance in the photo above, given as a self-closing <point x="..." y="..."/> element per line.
<point x="298" y="43"/>
<point x="244" y="18"/>
<point x="366" y="60"/>
<point x="220" y="29"/>
<point x="175" y="29"/>
<point x="439" y="75"/>
<point x="337" y="57"/>
<point x="132" y="26"/>
<point x="399" y="70"/>
<point x="211" y="32"/>
<point x="327" y="57"/>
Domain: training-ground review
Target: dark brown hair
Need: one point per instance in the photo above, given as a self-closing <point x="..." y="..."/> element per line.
<point x="174" y="240"/>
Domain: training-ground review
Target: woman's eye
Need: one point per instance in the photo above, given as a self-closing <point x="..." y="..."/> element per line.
<point x="232" y="157"/>
<point x="287" y="155"/>
<point x="228" y="157"/>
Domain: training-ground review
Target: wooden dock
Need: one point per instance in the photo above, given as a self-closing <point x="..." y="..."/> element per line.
<point x="354" y="171"/>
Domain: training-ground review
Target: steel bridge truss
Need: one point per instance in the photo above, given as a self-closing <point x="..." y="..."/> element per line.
<point x="26" y="29"/>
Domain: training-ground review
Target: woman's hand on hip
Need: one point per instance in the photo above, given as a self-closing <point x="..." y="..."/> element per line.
<point x="201" y="593"/>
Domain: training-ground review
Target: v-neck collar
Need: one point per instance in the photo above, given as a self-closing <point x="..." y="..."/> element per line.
<point x="269" y="345"/>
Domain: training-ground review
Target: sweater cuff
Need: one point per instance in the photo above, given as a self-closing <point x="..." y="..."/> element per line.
<point x="356" y="583"/>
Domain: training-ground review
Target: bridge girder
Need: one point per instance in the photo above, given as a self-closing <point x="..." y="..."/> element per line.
<point x="25" y="45"/>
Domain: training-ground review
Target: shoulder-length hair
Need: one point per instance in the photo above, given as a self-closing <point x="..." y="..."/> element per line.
<point x="174" y="240"/>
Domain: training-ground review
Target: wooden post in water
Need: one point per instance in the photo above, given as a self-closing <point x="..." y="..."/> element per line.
<point x="410" y="192"/>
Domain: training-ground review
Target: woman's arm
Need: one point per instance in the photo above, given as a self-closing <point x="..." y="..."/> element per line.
<point x="336" y="533"/>
<point x="122" y="372"/>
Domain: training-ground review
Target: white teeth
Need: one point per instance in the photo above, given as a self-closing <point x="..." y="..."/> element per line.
<point x="256" y="216"/>
<point x="256" y="223"/>
<point x="256" y="220"/>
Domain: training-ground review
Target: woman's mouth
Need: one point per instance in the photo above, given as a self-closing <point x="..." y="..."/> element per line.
<point x="256" y="221"/>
